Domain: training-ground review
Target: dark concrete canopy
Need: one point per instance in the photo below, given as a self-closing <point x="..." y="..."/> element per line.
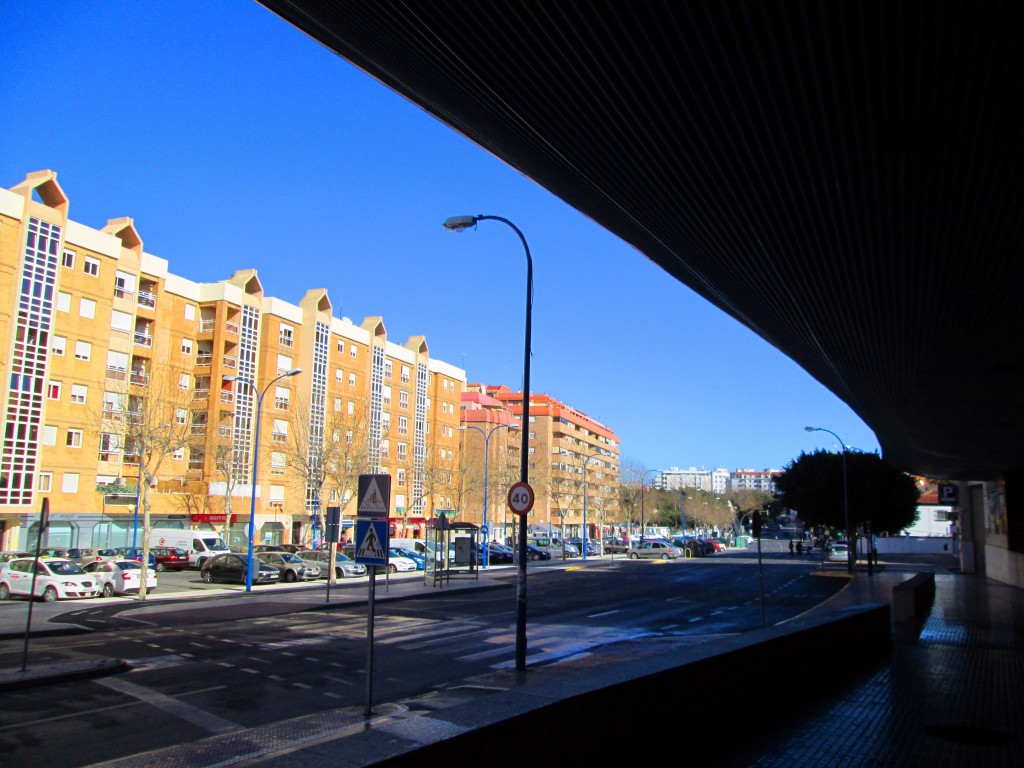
<point x="844" y="178"/>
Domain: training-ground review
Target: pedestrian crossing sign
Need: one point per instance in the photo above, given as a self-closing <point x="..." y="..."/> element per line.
<point x="374" y="498"/>
<point x="372" y="542"/>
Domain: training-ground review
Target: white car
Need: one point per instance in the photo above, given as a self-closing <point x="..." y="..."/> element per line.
<point x="839" y="553"/>
<point x="120" y="577"/>
<point x="56" y="579"/>
<point x="398" y="563"/>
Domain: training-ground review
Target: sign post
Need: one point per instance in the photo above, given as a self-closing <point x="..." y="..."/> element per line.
<point x="373" y="504"/>
<point x="44" y="523"/>
<point x="756" y="525"/>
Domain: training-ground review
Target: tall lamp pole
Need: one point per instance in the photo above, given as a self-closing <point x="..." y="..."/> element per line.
<point x="458" y="224"/>
<point x="846" y="499"/>
<point x="256" y="459"/>
<point x="584" y="537"/>
<point x="487" y="455"/>
<point x="643" y="522"/>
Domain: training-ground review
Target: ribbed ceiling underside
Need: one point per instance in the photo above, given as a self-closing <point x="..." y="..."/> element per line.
<point x="845" y="178"/>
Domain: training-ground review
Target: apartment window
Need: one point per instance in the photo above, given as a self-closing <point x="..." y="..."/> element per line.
<point x="59" y="346"/>
<point x="286" y="336"/>
<point x="277" y="495"/>
<point x="186" y="346"/>
<point x="91" y="266"/>
<point x="63" y="301"/>
<point x="73" y="438"/>
<point x="87" y="308"/>
<point x="445" y="384"/>
<point x="282" y="398"/>
<point x="405" y="374"/>
<point x="183" y="381"/>
<point x="190" y="311"/>
<point x="277" y="463"/>
<point x="120" y="321"/>
<point x="351" y="408"/>
<point x="49" y="435"/>
<point x="351" y="379"/>
<point x="179" y="454"/>
<point x="124" y="284"/>
<point x="385" y="448"/>
<point x="78" y="393"/>
<point x="402" y="448"/>
<point x="533" y="435"/>
<point x="387" y="369"/>
<point x="280" y="431"/>
<point x="385" y="422"/>
<point x="403" y="400"/>
<point x="349" y="436"/>
<point x="44" y="481"/>
<point x="67" y="259"/>
<point x="53" y="390"/>
<point x="339" y="375"/>
<point x="531" y="450"/>
<point x="181" y="416"/>
<point x="403" y="425"/>
<point x="284" y="363"/>
<point x="401" y="478"/>
<point x="337" y="405"/>
<point x="352" y="350"/>
<point x="341" y="346"/>
<point x="69" y="482"/>
<point x="83" y="350"/>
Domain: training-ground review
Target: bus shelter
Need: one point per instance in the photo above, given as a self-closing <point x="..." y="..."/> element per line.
<point x="452" y="551"/>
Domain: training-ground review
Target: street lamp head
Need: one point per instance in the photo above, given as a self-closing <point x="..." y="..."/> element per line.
<point x="459" y="223"/>
<point x="294" y="372"/>
<point x="810" y="429"/>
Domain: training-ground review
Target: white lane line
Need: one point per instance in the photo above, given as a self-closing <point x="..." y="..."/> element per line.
<point x="334" y="679"/>
<point x="198" y="717"/>
<point x="250" y="671"/>
<point x="301" y="685"/>
<point x="606" y="613"/>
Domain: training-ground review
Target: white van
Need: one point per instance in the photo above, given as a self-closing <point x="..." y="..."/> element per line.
<point x="201" y="545"/>
<point x="416" y="545"/>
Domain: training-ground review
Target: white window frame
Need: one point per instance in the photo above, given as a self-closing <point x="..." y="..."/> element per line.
<point x="69" y="482"/>
<point x="67" y="259"/>
<point x="186" y="346"/>
<point x="44" y="482"/>
<point x="73" y="438"/>
<point x="91" y="266"/>
<point x="63" y="301"/>
<point x="83" y="350"/>
<point x="53" y="390"/>
<point x="79" y="394"/>
<point x="59" y="345"/>
<point x="87" y="308"/>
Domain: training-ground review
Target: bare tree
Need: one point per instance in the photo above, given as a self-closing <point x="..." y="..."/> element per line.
<point x="226" y="460"/>
<point x="150" y="415"/>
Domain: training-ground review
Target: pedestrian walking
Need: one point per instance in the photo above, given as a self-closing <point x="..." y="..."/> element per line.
<point x="800" y="548"/>
<point x="790" y="547"/>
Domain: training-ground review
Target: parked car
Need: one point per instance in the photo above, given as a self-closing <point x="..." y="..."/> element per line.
<point x="291" y="566"/>
<point x="416" y="557"/>
<point x="120" y="577"/>
<point x="653" y="549"/>
<point x="8" y="556"/>
<point x="615" y="546"/>
<point x="169" y="559"/>
<point x="229" y="566"/>
<point x="135" y="553"/>
<point x="344" y="566"/>
<point x="498" y="553"/>
<point x="399" y="563"/>
<point x="56" y="579"/>
<point x="593" y="548"/>
<point x="839" y="552"/>
<point x="83" y="556"/>
<point x="559" y="546"/>
<point x="535" y="553"/>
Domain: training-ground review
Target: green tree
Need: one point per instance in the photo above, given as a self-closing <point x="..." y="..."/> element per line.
<point x="812" y="485"/>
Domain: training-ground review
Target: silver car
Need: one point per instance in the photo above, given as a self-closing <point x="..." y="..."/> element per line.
<point x="653" y="549"/>
<point x="344" y="568"/>
<point x="292" y="567"/>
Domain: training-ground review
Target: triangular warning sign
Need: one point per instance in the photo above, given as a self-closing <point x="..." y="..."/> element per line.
<point x="370" y="547"/>
<point x="373" y="501"/>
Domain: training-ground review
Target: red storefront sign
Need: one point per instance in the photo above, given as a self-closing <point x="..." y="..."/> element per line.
<point x="208" y="518"/>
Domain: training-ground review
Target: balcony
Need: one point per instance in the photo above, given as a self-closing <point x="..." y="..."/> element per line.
<point x="109" y="455"/>
<point x="280" y="437"/>
<point x="112" y="412"/>
<point x="201" y="394"/>
<point x="207" y="326"/>
<point x="282" y="403"/>
<point x="231" y="327"/>
<point x="141" y="378"/>
<point x="230" y="361"/>
<point x="227" y="396"/>
<point x="285" y="341"/>
<point x="203" y="359"/>
<point x="146" y="299"/>
<point x="196" y="465"/>
<point x="224" y="431"/>
<point x="117" y="374"/>
<point x="198" y="430"/>
<point x="143" y="339"/>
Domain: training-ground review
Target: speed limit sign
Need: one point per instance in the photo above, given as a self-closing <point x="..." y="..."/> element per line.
<point x="520" y="498"/>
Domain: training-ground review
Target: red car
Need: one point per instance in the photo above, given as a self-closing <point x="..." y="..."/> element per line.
<point x="168" y="559"/>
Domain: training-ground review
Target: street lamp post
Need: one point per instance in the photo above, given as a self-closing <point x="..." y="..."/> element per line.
<point x="256" y="458"/>
<point x="458" y="224"/>
<point x="643" y="522"/>
<point x="584" y="537"/>
<point x="487" y="455"/>
<point x="846" y="500"/>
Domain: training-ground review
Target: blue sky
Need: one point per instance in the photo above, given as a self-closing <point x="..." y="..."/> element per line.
<point x="234" y="141"/>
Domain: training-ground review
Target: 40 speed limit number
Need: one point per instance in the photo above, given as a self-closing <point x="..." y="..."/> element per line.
<point x="520" y="498"/>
